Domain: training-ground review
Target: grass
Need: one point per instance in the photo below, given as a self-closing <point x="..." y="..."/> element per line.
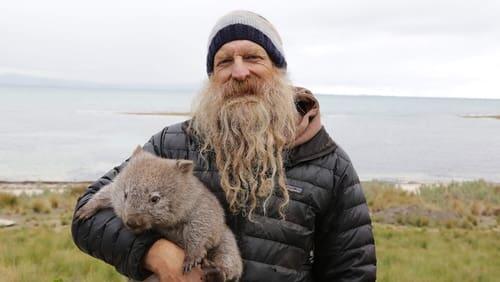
<point x="383" y="195"/>
<point x="436" y="235"/>
<point x="48" y="254"/>
<point x="8" y="201"/>
<point x="40" y="246"/>
<point x="474" y="204"/>
<point x="432" y="254"/>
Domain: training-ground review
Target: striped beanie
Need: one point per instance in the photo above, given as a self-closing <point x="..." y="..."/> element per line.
<point x="245" y="25"/>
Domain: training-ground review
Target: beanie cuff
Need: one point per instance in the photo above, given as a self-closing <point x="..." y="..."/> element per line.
<point x="243" y="32"/>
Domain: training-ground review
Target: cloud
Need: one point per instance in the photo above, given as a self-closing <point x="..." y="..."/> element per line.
<point x="413" y="47"/>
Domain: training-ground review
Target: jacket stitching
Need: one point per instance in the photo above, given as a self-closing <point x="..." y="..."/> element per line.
<point x="354" y="227"/>
<point x="355" y="206"/>
<point x="272" y="266"/>
<point x="115" y="238"/>
<point x="126" y="260"/>
<point x="275" y="241"/>
<point x="358" y="247"/>
<point x="103" y="231"/>
<point x="91" y="225"/>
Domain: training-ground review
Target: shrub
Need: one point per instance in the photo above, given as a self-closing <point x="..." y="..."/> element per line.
<point x="476" y="208"/>
<point x="8" y="200"/>
<point x="40" y="206"/>
<point x="54" y="202"/>
<point x="78" y="191"/>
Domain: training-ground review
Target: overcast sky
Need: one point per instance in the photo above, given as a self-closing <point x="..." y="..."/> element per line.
<point x="388" y="47"/>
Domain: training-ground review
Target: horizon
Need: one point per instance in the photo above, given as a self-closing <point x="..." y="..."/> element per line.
<point x="91" y="85"/>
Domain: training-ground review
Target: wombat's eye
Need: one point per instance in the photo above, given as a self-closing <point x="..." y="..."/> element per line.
<point x="125" y="195"/>
<point x="154" y="198"/>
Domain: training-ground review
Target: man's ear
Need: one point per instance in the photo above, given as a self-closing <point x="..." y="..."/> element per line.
<point x="137" y="151"/>
<point x="185" y="166"/>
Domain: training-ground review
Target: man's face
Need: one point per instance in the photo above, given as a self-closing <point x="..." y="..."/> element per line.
<point x="239" y="60"/>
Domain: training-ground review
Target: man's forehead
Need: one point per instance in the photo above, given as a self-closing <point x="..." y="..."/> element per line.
<point x="240" y="46"/>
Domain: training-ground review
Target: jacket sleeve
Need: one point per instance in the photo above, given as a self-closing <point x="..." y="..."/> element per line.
<point x="104" y="236"/>
<point x="344" y="245"/>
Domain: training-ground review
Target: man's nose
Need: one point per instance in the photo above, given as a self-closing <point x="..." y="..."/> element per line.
<point x="239" y="69"/>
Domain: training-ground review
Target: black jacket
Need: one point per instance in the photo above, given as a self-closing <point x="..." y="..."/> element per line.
<point x="327" y="234"/>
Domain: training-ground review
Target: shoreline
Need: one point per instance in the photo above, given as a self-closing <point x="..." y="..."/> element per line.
<point x="481" y="116"/>
<point x="33" y="188"/>
<point x="381" y="180"/>
<point x="157" y="113"/>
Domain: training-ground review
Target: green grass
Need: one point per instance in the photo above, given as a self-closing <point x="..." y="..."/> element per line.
<point x="40" y="247"/>
<point x="417" y="247"/>
<point x="404" y="254"/>
<point x="47" y="254"/>
<point x="428" y="254"/>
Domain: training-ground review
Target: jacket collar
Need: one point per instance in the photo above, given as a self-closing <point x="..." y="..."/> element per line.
<point x="318" y="146"/>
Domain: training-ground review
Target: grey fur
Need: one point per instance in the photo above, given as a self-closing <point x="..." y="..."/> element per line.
<point x="164" y="195"/>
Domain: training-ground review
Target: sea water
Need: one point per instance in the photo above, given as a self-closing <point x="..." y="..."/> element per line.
<point x="64" y="134"/>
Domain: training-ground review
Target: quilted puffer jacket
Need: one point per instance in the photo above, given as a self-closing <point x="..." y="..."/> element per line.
<point x="326" y="235"/>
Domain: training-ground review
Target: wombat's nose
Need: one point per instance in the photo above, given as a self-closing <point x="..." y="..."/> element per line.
<point x="133" y="223"/>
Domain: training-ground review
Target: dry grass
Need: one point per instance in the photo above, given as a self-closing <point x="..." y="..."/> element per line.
<point x="8" y="200"/>
<point x="474" y="204"/>
<point x="383" y="195"/>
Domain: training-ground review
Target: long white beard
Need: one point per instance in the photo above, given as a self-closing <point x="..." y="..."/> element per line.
<point x="248" y="126"/>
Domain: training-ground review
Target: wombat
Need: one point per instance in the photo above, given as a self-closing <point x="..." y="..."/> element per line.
<point x="164" y="195"/>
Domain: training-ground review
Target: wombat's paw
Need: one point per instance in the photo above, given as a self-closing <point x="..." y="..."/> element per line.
<point x="213" y="274"/>
<point x="230" y="274"/>
<point x="84" y="212"/>
<point x="190" y="262"/>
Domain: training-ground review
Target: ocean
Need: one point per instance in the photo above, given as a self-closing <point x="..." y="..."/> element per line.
<point x="63" y="134"/>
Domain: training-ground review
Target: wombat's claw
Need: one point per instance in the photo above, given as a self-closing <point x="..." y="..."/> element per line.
<point x="213" y="274"/>
<point x="205" y="263"/>
<point x="189" y="263"/>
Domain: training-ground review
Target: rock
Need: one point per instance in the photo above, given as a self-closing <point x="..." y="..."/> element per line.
<point x="6" y="222"/>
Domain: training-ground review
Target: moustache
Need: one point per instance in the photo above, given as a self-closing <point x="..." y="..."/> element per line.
<point x="251" y="86"/>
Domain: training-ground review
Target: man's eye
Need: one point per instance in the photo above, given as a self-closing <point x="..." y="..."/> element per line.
<point x="223" y="62"/>
<point x="253" y="57"/>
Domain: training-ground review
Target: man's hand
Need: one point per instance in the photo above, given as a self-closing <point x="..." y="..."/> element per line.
<point x="166" y="259"/>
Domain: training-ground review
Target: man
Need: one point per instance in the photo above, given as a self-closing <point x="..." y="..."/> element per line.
<point x="292" y="196"/>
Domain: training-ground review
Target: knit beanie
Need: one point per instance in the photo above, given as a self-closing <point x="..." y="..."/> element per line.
<point x="245" y="25"/>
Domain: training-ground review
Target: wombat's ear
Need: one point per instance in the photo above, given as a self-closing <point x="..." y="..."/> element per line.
<point x="137" y="151"/>
<point x="184" y="165"/>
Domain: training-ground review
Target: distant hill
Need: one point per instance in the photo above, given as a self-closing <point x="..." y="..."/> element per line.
<point x="11" y="79"/>
<point x="20" y="80"/>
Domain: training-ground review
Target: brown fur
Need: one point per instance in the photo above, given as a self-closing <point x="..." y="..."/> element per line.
<point x="164" y="195"/>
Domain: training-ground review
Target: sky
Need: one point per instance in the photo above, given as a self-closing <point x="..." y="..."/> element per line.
<point x="424" y="48"/>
